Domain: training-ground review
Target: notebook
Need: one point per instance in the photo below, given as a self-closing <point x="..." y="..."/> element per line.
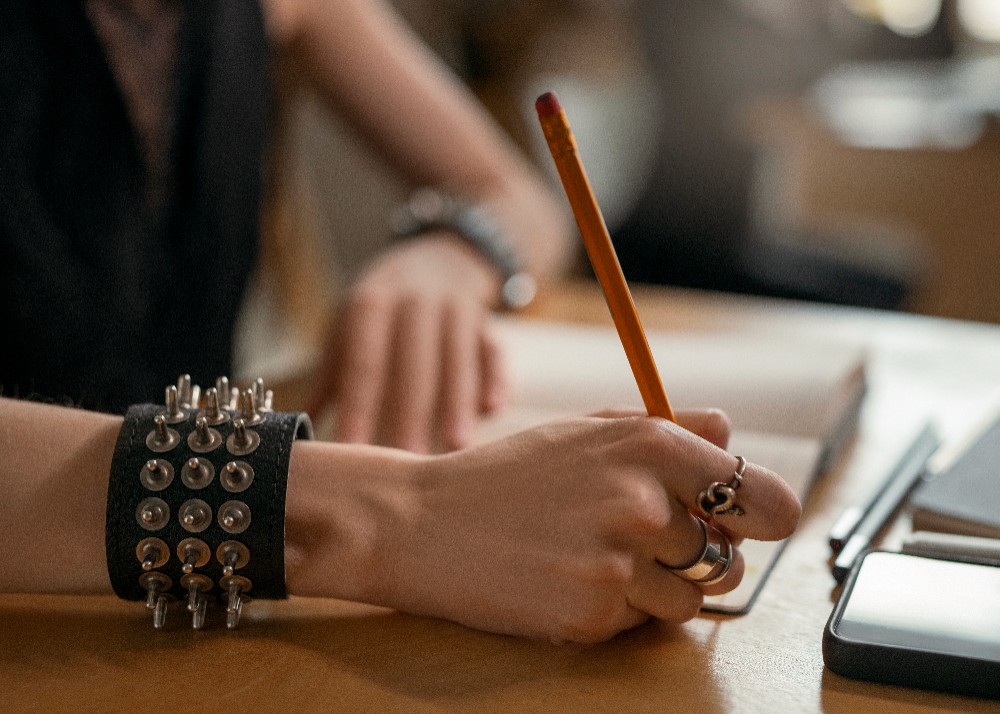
<point x="793" y="404"/>
<point x="963" y="496"/>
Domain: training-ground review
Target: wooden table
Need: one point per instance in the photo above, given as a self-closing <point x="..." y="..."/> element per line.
<point x="99" y="654"/>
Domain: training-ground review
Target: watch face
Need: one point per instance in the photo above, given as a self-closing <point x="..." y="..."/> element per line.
<point x="518" y="291"/>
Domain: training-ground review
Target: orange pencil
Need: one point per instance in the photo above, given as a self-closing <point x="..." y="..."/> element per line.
<point x="602" y="254"/>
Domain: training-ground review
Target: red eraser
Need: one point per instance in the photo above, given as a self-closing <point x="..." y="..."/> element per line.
<point x="547" y="105"/>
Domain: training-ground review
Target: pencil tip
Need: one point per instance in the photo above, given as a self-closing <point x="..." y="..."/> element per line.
<point x="547" y="105"/>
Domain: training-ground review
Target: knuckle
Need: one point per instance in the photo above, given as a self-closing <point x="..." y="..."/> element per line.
<point x="413" y="304"/>
<point x="368" y="298"/>
<point x="611" y="570"/>
<point x="647" y="432"/>
<point x="644" y="504"/>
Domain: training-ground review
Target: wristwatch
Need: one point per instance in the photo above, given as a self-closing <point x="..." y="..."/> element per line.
<point x="429" y="209"/>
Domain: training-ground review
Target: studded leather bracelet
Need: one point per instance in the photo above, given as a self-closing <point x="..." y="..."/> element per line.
<point x="196" y="500"/>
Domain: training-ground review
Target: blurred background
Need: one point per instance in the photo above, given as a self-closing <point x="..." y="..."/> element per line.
<point x="842" y="151"/>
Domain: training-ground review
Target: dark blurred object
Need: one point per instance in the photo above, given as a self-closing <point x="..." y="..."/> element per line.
<point x="695" y="224"/>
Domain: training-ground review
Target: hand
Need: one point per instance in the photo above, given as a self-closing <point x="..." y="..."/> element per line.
<point x="411" y="361"/>
<point x="557" y="532"/>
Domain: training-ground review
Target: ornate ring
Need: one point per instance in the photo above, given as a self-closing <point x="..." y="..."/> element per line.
<point x="719" y="499"/>
<point x="714" y="561"/>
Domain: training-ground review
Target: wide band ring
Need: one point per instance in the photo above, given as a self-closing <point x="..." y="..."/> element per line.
<point x="714" y="561"/>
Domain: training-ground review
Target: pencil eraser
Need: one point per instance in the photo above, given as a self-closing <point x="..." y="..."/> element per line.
<point x="547" y="105"/>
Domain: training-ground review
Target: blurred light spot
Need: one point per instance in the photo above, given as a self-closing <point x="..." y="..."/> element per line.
<point x="868" y="9"/>
<point x="897" y="107"/>
<point x="980" y="18"/>
<point x="910" y="18"/>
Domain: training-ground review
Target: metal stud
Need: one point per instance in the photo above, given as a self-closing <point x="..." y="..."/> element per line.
<point x="160" y="612"/>
<point x="204" y="438"/>
<point x="195" y="515"/>
<point x="184" y="391"/>
<point x="233" y="555"/>
<point x="213" y="412"/>
<point x="152" y="513"/>
<point x="152" y="553"/>
<point x="197" y="602"/>
<point x="242" y="441"/>
<point x="162" y="438"/>
<point x="172" y="411"/>
<point x="156" y="474"/>
<point x="193" y="553"/>
<point x="235" y="587"/>
<point x="154" y="584"/>
<point x="197" y="472"/>
<point x="236" y="476"/>
<point x="222" y="390"/>
<point x="248" y="408"/>
<point x="198" y="616"/>
<point x="264" y="398"/>
<point x="157" y="599"/>
<point x="234" y="516"/>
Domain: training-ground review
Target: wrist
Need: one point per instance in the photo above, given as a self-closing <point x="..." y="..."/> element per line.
<point x="430" y="210"/>
<point x="218" y="527"/>
<point x="346" y="507"/>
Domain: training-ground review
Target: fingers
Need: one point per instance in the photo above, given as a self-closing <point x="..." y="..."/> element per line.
<point x="416" y="373"/>
<point x="460" y="377"/>
<point x="688" y="458"/>
<point x="660" y="590"/>
<point x="655" y="590"/>
<point x="688" y="465"/>
<point x="667" y="596"/>
<point x="412" y="396"/>
<point x="664" y="538"/>
<point x="495" y="379"/>
<point x="710" y="424"/>
<point x="770" y="510"/>
<point x="714" y="564"/>
<point x="358" y="362"/>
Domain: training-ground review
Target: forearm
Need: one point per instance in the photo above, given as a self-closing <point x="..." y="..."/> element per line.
<point x="54" y="465"/>
<point x="343" y="504"/>
<point x="376" y="73"/>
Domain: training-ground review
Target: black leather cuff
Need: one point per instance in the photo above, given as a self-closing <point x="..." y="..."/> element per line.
<point x="196" y="506"/>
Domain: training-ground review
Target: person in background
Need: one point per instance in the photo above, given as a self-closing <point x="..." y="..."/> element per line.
<point x="135" y="148"/>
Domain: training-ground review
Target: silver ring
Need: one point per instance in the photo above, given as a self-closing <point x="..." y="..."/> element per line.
<point x="719" y="499"/>
<point x="713" y="563"/>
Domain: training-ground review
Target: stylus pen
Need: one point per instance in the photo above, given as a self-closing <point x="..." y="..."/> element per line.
<point x="887" y="501"/>
<point x="843" y="528"/>
<point x="845" y="525"/>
